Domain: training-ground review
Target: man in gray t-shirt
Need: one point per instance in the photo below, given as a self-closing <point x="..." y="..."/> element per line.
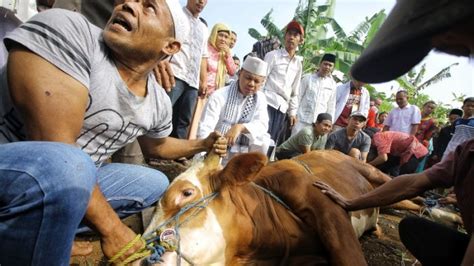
<point x="307" y="139"/>
<point x="351" y="140"/>
<point x="73" y="94"/>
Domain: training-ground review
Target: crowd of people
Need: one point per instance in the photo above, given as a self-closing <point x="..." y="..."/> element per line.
<point x="85" y="82"/>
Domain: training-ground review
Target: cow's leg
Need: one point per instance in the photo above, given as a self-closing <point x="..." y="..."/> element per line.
<point x="330" y="222"/>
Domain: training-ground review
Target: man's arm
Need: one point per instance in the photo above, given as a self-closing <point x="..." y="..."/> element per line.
<point x="469" y="254"/>
<point x="400" y="188"/>
<point x="171" y="148"/>
<point x="363" y="156"/>
<point x="293" y="104"/>
<point x="53" y="105"/>
<point x="414" y="129"/>
<point x="380" y="159"/>
<point x="304" y="148"/>
<point x="203" y="78"/>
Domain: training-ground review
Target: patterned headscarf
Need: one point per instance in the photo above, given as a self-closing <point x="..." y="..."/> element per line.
<point x="221" y="67"/>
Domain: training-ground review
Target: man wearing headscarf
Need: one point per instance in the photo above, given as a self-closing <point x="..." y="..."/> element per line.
<point x="239" y="111"/>
<point x="317" y="94"/>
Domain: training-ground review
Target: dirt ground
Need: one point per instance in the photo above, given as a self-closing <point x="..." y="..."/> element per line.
<point x="379" y="249"/>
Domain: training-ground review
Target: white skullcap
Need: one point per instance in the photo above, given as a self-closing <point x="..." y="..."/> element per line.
<point x="181" y="27"/>
<point x="255" y="66"/>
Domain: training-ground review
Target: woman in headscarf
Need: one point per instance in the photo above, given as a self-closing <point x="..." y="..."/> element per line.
<point x="219" y="64"/>
<point x="220" y="61"/>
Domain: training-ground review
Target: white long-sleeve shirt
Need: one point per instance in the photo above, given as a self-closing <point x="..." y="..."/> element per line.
<point x="283" y="81"/>
<point x="213" y="114"/>
<point x="186" y="64"/>
<point x="316" y="95"/>
<point x="342" y="94"/>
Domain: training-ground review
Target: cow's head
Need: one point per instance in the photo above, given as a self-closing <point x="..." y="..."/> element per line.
<point x="201" y="234"/>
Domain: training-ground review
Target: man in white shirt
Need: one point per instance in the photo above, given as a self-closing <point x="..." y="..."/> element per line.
<point x="350" y="97"/>
<point x="239" y="111"/>
<point x="283" y="81"/>
<point x="317" y="94"/>
<point x="189" y="68"/>
<point x="405" y="118"/>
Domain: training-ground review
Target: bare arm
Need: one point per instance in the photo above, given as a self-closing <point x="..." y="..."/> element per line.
<point x="469" y="255"/>
<point x="53" y="105"/>
<point x="203" y="78"/>
<point x="304" y="148"/>
<point x="400" y="188"/>
<point x="380" y="159"/>
<point x="363" y="156"/>
<point x="171" y="148"/>
<point x="414" y="129"/>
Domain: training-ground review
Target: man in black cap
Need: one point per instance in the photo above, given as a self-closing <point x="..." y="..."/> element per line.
<point x="317" y="94"/>
<point x="412" y="29"/>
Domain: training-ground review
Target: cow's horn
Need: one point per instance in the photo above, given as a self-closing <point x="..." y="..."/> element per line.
<point x="212" y="159"/>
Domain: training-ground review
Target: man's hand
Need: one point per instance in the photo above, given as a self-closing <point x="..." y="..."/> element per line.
<point x="332" y="194"/>
<point x="292" y="120"/>
<point x="216" y="143"/>
<point x="202" y="90"/>
<point x="233" y="133"/>
<point x="164" y="75"/>
<point x="449" y="199"/>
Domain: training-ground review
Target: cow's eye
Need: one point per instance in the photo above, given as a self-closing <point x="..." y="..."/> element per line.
<point x="188" y="192"/>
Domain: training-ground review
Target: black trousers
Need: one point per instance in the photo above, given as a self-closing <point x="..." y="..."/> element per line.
<point x="433" y="243"/>
<point x="277" y="125"/>
<point x="392" y="165"/>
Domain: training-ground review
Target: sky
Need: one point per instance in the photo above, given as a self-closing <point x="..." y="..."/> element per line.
<point x="241" y="15"/>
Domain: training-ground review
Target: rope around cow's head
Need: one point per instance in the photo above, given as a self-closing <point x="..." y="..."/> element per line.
<point x="160" y="241"/>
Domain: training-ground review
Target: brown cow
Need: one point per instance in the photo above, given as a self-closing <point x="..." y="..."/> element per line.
<point x="243" y="224"/>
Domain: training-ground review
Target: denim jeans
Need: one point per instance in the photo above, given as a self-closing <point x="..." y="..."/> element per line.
<point x="183" y="98"/>
<point x="45" y="189"/>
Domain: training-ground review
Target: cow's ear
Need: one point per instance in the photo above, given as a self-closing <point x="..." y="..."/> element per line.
<point x="242" y="168"/>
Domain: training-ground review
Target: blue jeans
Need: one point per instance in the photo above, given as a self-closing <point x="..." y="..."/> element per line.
<point x="45" y="189"/>
<point x="183" y="98"/>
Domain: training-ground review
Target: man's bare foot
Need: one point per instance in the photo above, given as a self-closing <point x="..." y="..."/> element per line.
<point x="81" y="248"/>
<point x="113" y="243"/>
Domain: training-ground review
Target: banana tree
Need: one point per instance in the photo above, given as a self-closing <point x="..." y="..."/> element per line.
<point x="318" y="20"/>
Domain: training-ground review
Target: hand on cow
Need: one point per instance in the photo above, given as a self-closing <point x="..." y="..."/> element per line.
<point x="164" y="75"/>
<point x="333" y="194"/>
<point x="216" y="143"/>
<point x="449" y="199"/>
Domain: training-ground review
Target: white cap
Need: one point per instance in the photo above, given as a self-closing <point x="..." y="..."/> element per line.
<point x="181" y="27"/>
<point x="255" y="66"/>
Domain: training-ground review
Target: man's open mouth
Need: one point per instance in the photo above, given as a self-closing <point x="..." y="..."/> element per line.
<point x="123" y="23"/>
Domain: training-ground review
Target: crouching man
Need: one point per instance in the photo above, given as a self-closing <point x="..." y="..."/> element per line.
<point x="71" y="95"/>
<point x="307" y="139"/>
<point x="239" y="111"/>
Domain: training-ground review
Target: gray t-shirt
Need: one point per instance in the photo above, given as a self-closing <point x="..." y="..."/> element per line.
<point x="337" y="140"/>
<point x="304" y="137"/>
<point x="114" y="116"/>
